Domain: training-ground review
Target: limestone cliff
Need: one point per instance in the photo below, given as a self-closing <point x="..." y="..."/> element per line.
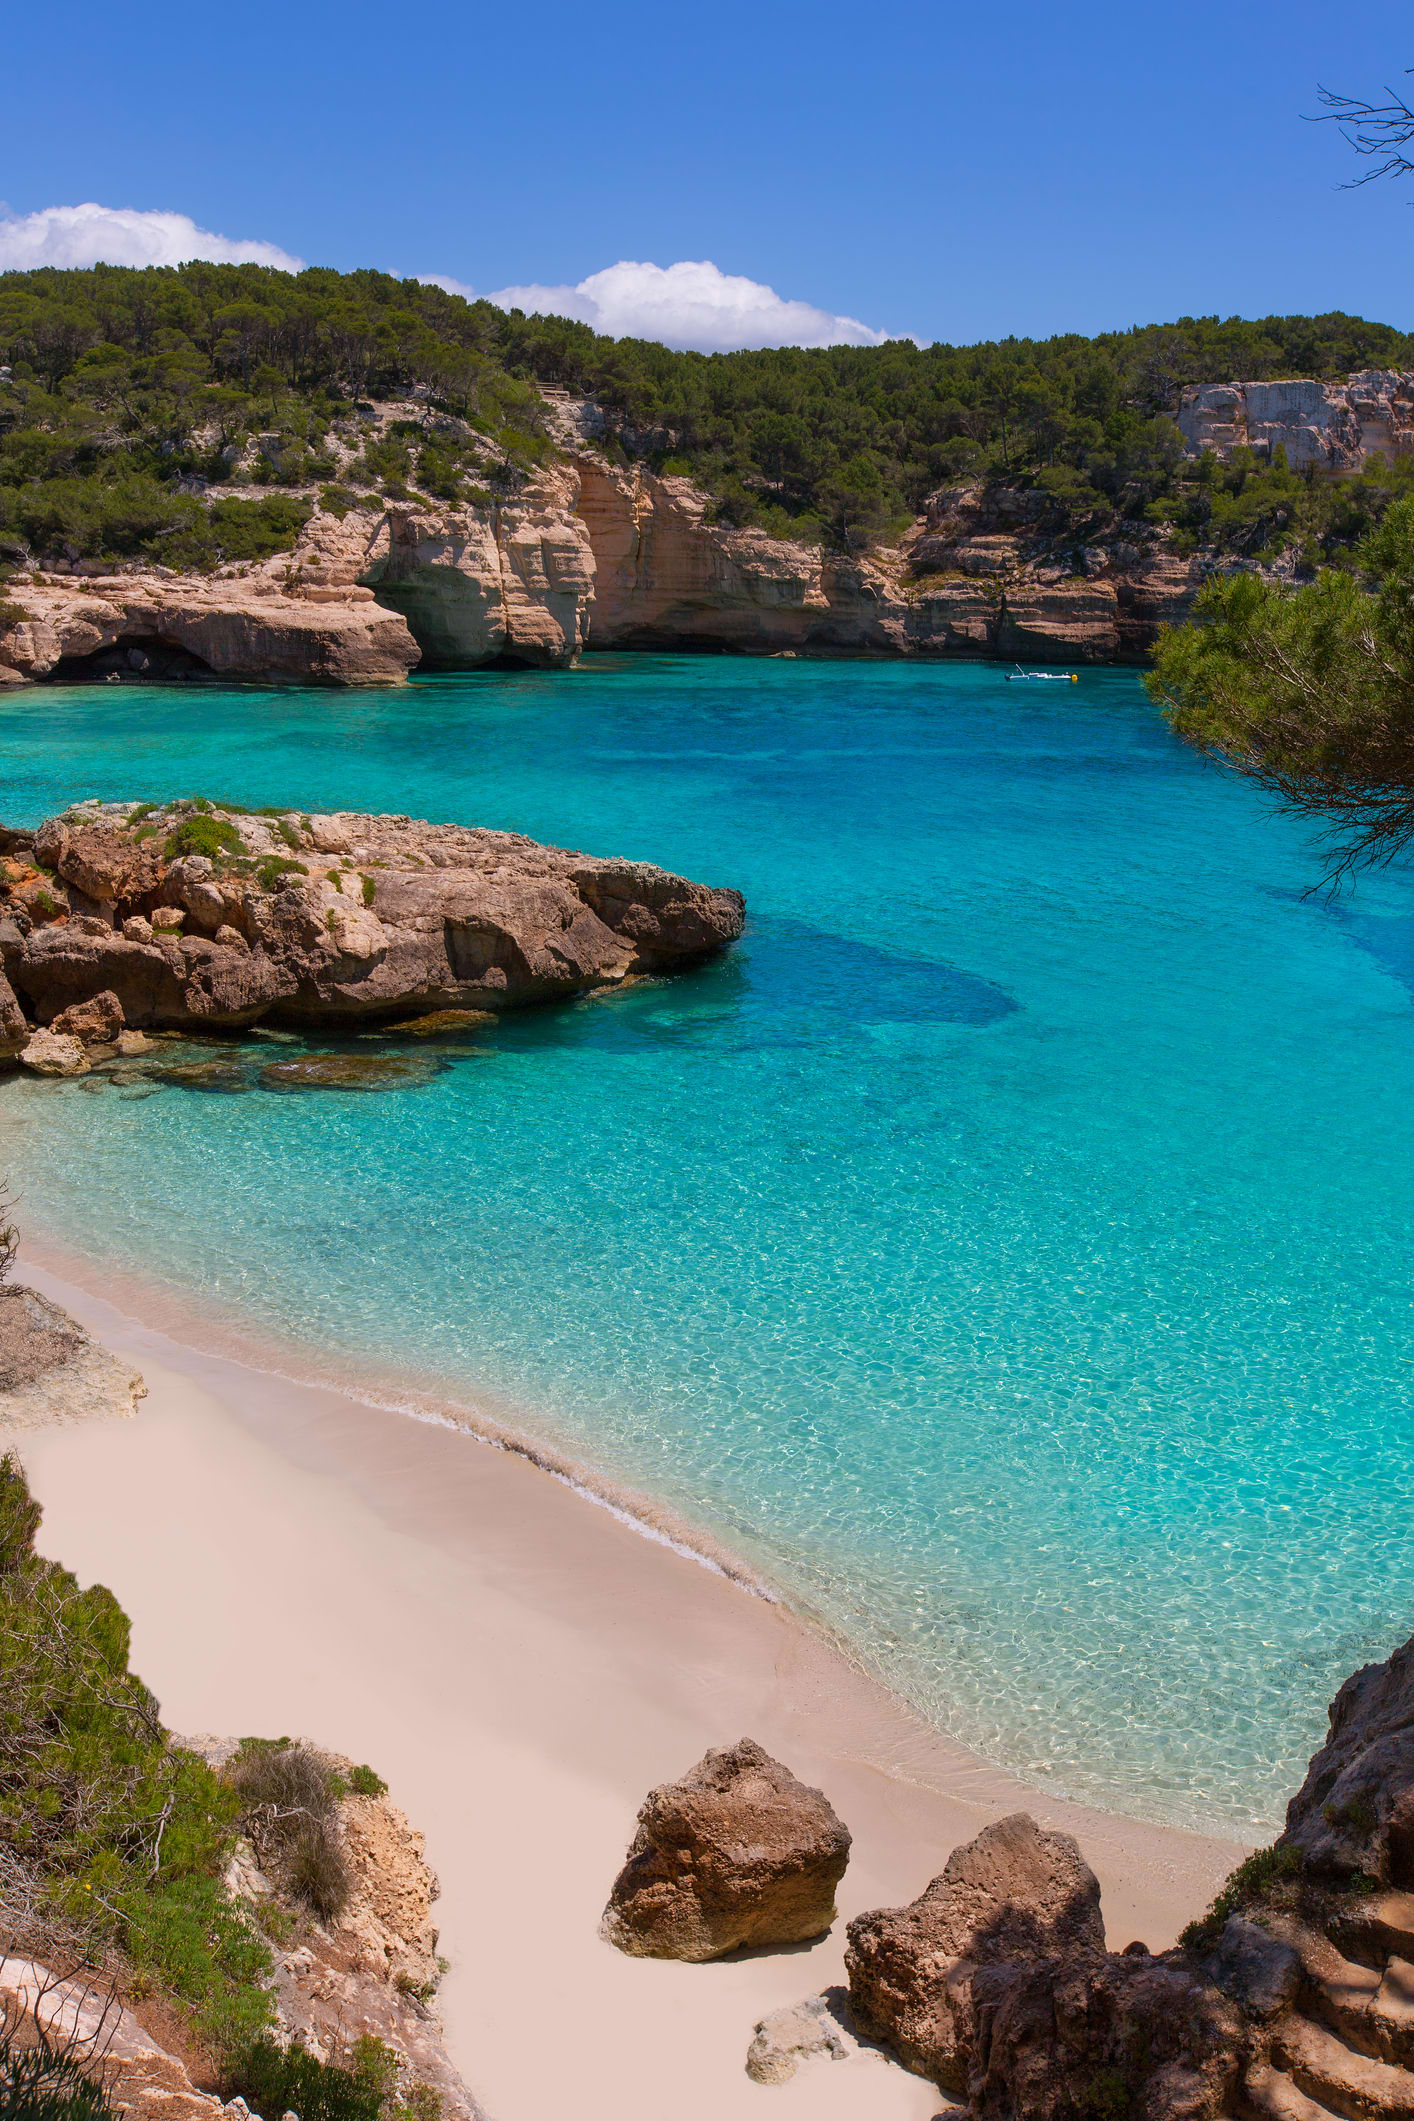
<point x="1326" y="427"/>
<point x="592" y="554"/>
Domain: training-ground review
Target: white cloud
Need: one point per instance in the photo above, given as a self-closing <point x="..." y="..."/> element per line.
<point x="122" y="235"/>
<point x="687" y="305"/>
<point x="448" y="285"/>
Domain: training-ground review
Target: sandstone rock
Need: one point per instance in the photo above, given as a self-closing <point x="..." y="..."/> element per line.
<point x="97" y="1020"/>
<point x="737" y="1853"/>
<point x="1326" y="427"/>
<point x="1014" y="1893"/>
<point x="144" y="2081"/>
<point x="225" y="626"/>
<point x="51" y="1372"/>
<point x="1126" y="2035"/>
<point x="786" y="2038"/>
<point x="459" y="920"/>
<point x="14" y="1031"/>
<point x="51" y="1053"/>
<point x="1299" y="2007"/>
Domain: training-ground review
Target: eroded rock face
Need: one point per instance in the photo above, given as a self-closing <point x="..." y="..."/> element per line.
<point x="1325" y="427"/>
<point x="405" y="919"/>
<point x="1293" y="1999"/>
<point x="244" y="627"/>
<point x="589" y="553"/>
<point x="737" y="1853"/>
<point x="1015" y="1893"/>
<point x="1354" y="1813"/>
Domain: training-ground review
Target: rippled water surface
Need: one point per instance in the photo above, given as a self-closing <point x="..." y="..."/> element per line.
<point x="1008" y="1244"/>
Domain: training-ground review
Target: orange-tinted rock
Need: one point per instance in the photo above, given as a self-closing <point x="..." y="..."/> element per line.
<point x="737" y="1853"/>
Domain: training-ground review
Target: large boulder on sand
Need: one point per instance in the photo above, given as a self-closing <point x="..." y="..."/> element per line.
<point x="737" y="1853"/>
<point x="1015" y="1893"/>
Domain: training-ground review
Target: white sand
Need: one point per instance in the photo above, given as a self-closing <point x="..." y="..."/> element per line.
<point x="522" y="1667"/>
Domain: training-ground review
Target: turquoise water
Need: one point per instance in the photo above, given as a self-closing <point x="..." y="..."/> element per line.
<point x="1008" y="1245"/>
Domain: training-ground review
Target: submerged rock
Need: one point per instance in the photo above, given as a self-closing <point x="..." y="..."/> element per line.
<point x="346" y="1071"/>
<point x="443" y="1023"/>
<point x="224" y="1076"/>
<point x="736" y="1853"/>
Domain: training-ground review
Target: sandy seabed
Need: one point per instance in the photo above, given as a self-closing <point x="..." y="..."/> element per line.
<point x="522" y="1667"/>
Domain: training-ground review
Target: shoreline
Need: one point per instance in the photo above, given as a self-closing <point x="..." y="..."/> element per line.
<point x="523" y="1670"/>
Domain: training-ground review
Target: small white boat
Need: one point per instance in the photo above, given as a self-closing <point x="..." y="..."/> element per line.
<point x="1042" y="677"/>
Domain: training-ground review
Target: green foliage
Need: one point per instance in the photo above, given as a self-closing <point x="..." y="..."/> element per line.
<point x="276" y="2080"/>
<point x="118" y="1838"/>
<point x="271" y="867"/>
<point x="1255" y="1879"/>
<point x="211" y="836"/>
<point x="847" y="441"/>
<point x="370" y="892"/>
<point x="131" y="389"/>
<point x="1310" y="691"/>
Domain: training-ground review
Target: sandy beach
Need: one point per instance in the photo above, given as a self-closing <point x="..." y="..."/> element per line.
<point x="522" y="1666"/>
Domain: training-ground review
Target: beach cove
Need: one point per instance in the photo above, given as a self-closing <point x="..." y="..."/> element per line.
<point x="976" y="1251"/>
<point x="522" y="1665"/>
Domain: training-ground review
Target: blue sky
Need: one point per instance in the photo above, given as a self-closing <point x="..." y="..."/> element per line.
<point x="955" y="172"/>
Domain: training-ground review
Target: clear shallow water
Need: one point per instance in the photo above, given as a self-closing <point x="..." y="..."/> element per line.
<point x="1008" y="1244"/>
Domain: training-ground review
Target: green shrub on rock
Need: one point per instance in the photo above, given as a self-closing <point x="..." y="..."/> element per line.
<point x="113" y="1842"/>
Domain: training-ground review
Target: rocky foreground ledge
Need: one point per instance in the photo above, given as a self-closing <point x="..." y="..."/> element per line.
<point x="118" y="918"/>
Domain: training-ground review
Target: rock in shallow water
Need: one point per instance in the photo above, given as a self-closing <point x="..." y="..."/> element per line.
<point x="737" y="1853"/>
<point x="223" y="1076"/>
<point x="348" y="1071"/>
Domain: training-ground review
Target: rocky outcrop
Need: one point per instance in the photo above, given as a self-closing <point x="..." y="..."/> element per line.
<point x="52" y="1373"/>
<point x="320" y="920"/>
<point x="251" y="626"/>
<point x="1324" y="427"/>
<point x="106" y="2042"/>
<point x="371" y="1969"/>
<point x="1015" y="1893"/>
<point x="737" y="1853"/>
<point x="1293" y="1999"/>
